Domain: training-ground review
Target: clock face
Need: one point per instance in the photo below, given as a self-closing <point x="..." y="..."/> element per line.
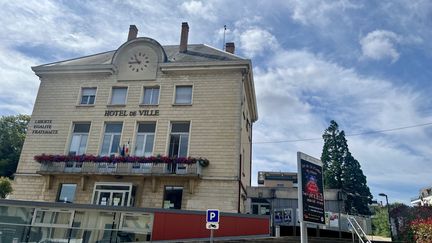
<point x="138" y="61"/>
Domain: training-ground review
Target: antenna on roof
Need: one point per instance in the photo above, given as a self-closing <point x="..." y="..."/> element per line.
<point x="223" y="44"/>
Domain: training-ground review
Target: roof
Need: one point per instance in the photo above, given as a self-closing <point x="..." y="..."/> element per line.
<point x="195" y="53"/>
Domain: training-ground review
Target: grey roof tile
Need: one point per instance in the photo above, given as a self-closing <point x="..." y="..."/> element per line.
<point x="195" y="53"/>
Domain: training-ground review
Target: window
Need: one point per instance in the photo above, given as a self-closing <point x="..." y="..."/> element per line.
<point x="66" y="193"/>
<point x="137" y="222"/>
<point x="88" y="96"/>
<point x="111" y="139"/>
<point x="260" y="206"/>
<point x="47" y="217"/>
<point x="118" y="96"/>
<point x="173" y="197"/>
<point x="79" y="138"/>
<point x="183" y="95"/>
<point x="151" y="96"/>
<point x="145" y="139"/>
<point x="179" y="139"/>
<point x="114" y="194"/>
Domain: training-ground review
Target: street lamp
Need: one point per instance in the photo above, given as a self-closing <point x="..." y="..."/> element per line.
<point x="388" y="212"/>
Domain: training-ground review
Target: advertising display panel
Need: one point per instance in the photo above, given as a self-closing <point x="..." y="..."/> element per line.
<point x="311" y="189"/>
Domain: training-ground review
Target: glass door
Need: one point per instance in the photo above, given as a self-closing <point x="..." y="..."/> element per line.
<point x="104" y="198"/>
<point x="117" y="198"/>
<point x="113" y="194"/>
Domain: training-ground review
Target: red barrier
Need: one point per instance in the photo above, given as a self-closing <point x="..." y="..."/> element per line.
<point x="183" y="225"/>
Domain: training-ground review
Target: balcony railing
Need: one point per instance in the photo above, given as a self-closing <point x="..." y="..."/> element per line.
<point x="120" y="168"/>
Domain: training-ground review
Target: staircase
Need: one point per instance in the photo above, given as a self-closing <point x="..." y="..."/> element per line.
<point x="357" y="229"/>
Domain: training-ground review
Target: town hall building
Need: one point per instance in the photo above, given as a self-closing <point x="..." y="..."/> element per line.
<point x="144" y="125"/>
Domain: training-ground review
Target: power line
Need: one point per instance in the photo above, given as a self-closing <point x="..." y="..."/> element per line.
<point x="349" y="135"/>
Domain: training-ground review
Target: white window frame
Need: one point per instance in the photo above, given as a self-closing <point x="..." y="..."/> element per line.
<point x="130" y="185"/>
<point x="175" y="94"/>
<point x="143" y="95"/>
<point x="112" y="134"/>
<point x="179" y="168"/>
<point x="112" y="95"/>
<point x="72" y="212"/>
<point x="145" y="134"/>
<point x="80" y="134"/>
<point x="88" y="98"/>
<point x="179" y="133"/>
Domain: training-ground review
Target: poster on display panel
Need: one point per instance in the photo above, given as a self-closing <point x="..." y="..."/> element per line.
<point x="311" y="189"/>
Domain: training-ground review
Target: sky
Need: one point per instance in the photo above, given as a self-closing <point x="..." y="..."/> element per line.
<point x="364" y="64"/>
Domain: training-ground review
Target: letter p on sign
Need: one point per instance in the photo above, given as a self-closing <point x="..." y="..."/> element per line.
<point x="212" y="216"/>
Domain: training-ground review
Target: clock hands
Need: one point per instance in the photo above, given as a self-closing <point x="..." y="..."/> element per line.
<point x="136" y="59"/>
<point x="141" y="62"/>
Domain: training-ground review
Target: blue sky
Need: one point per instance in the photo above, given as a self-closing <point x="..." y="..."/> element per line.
<point x="365" y="64"/>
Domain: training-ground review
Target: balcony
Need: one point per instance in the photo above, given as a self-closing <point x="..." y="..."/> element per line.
<point x="121" y="169"/>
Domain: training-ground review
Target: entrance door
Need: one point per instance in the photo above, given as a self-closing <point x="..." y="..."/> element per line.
<point x="113" y="194"/>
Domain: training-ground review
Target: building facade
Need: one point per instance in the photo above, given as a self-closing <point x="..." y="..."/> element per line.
<point x="145" y="125"/>
<point x="424" y="197"/>
<point x="277" y="179"/>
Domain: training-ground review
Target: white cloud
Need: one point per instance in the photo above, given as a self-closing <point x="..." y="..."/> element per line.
<point x="256" y="41"/>
<point x="318" y="13"/>
<point x="200" y="9"/>
<point x="34" y="23"/>
<point x="18" y="84"/>
<point x="380" y="44"/>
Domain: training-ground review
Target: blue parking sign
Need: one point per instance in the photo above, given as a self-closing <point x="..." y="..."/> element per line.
<point x="212" y="216"/>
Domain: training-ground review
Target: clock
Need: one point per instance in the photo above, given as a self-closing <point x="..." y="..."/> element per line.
<point x="138" y="61"/>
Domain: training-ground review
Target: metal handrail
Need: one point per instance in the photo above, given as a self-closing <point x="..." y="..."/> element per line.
<point x="351" y="219"/>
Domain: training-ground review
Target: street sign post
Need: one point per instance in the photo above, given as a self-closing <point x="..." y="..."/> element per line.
<point x="310" y="192"/>
<point x="212" y="221"/>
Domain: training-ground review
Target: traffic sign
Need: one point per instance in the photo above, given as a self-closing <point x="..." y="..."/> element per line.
<point x="212" y="216"/>
<point x="212" y="226"/>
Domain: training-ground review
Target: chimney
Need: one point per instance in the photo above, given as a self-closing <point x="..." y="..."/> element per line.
<point x="230" y="47"/>
<point x="184" y="37"/>
<point x="133" y="32"/>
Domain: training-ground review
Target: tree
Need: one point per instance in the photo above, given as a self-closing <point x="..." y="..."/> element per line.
<point x="343" y="171"/>
<point x="12" y="133"/>
<point x="5" y="187"/>
<point x="380" y="221"/>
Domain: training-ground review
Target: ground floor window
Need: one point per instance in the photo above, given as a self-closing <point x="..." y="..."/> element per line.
<point x="114" y="194"/>
<point x="173" y="197"/>
<point x="66" y="193"/>
<point x="260" y="206"/>
<point x="49" y="217"/>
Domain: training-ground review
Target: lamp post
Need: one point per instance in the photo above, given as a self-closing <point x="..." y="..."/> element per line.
<point x="388" y="212"/>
